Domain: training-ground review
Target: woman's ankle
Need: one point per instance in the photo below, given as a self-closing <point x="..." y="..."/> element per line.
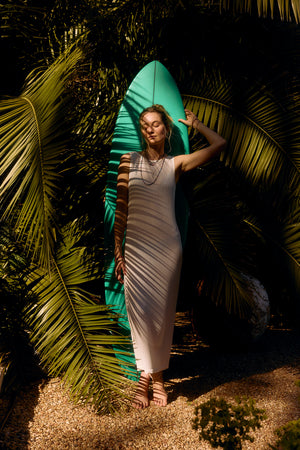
<point x="157" y="377"/>
<point x="160" y="396"/>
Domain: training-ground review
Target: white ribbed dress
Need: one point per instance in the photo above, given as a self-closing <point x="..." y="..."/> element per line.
<point x="153" y="254"/>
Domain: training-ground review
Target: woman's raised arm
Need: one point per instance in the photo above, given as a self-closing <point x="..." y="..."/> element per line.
<point x="184" y="163"/>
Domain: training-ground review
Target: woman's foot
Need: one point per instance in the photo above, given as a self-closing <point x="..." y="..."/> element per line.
<point x="160" y="396"/>
<point x="141" y="398"/>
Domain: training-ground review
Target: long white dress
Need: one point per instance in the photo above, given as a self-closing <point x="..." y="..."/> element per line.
<point x="153" y="254"/>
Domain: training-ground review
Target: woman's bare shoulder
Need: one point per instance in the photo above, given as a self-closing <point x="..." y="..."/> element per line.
<point x="128" y="155"/>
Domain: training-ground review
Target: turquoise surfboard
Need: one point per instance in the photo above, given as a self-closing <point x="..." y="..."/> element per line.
<point x="153" y="84"/>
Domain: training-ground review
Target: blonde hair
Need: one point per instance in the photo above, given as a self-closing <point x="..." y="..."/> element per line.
<point x="165" y="117"/>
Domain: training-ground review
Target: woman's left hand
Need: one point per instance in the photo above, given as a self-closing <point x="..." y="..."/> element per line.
<point x="120" y="269"/>
<point x="190" y="118"/>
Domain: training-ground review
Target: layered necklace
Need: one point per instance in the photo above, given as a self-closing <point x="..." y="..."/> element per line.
<point x="151" y="169"/>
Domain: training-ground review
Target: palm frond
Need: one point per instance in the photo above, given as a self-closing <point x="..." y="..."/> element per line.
<point x="20" y="20"/>
<point x="288" y="10"/>
<point x="73" y="334"/>
<point x="263" y="150"/>
<point x="284" y="240"/>
<point x="17" y="358"/>
<point x="33" y="142"/>
<point x="225" y="253"/>
<point x="263" y="139"/>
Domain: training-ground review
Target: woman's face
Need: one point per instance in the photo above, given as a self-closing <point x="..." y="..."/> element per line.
<point x="153" y="128"/>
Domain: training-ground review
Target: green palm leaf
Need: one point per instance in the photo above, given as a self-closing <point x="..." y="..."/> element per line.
<point x="287" y="9"/>
<point x="224" y="249"/>
<point x="72" y="333"/>
<point x="33" y="143"/>
<point x="263" y="139"/>
<point x="284" y="240"/>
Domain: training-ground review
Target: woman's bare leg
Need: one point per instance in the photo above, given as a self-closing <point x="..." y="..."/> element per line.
<point x="141" y="398"/>
<point x="160" y="396"/>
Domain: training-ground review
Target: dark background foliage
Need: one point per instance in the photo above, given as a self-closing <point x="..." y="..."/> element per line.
<point x="202" y="48"/>
<point x="245" y="65"/>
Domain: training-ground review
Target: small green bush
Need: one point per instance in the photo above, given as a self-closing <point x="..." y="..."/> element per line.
<point x="226" y="425"/>
<point x="288" y="436"/>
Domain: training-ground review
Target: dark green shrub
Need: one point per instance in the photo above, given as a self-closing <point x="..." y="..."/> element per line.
<point x="226" y="425"/>
<point x="288" y="436"/>
<point x="17" y="357"/>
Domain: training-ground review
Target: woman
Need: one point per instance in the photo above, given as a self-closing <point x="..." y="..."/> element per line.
<point x="150" y="266"/>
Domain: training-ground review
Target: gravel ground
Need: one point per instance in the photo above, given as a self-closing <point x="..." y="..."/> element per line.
<point x="43" y="417"/>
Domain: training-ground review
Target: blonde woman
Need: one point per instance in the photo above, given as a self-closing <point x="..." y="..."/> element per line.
<point x="151" y="263"/>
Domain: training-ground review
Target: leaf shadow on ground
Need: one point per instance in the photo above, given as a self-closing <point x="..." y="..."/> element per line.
<point x="197" y="368"/>
<point x="13" y="409"/>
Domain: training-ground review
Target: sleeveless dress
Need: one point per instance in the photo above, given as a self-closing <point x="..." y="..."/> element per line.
<point x="153" y="254"/>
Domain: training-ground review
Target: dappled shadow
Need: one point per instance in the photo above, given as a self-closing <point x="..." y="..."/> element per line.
<point x="127" y="138"/>
<point x="16" y="413"/>
<point x="197" y="368"/>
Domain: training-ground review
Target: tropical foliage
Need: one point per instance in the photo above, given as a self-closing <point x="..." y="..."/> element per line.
<point x="262" y="153"/>
<point x="65" y="321"/>
<point x="238" y="72"/>
<point x="288" y="10"/>
<point x="17" y="354"/>
<point x="32" y="136"/>
<point x="73" y="333"/>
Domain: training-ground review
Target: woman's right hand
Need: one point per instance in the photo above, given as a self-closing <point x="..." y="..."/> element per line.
<point x="120" y="269"/>
<point x="190" y="118"/>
